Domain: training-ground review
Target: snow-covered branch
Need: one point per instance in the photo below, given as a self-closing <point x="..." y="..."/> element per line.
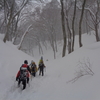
<point x="24" y="36"/>
<point x="23" y="4"/>
<point x="88" y="9"/>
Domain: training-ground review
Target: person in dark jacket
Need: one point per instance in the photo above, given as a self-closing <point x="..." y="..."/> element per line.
<point x="41" y="67"/>
<point x="25" y="65"/>
<point x="33" y="68"/>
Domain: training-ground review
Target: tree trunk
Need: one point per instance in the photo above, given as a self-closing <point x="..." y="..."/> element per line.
<point x="6" y="37"/>
<point x="97" y="23"/>
<point x="73" y="22"/>
<point x="63" y="28"/>
<point x="69" y="37"/>
<point x="80" y="24"/>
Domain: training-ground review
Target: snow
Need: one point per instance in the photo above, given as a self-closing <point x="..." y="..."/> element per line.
<point x="54" y="85"/>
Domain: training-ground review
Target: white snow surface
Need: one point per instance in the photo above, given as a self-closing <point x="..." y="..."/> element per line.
<point x="54" y="85"/>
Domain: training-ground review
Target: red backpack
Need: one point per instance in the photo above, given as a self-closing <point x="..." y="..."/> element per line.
<point x="25" y="65"/>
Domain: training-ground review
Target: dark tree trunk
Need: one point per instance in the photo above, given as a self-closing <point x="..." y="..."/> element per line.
<point x="63" y="28"/>
<point x="80" y="24"/>
<point x="73" y="22"/>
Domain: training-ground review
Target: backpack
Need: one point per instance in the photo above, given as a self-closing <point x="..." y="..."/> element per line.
<point x="23" y="73"/>
<point x="33" y="67"/>
<point x="41" y="64"/>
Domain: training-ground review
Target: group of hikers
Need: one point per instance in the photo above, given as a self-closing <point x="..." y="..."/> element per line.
<point x="27" y="70"/>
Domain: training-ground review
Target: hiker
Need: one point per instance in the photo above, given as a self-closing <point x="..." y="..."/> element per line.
<point x="23" y="74"/>
<point x="33" y="68"/>
<point x="41" y="67"/>
<point x="41" y="59"/>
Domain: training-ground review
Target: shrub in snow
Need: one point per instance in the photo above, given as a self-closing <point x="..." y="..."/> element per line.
<point x="84" y="68"/>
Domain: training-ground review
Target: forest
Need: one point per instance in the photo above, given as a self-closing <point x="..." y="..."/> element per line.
<point x="35" y="23"/>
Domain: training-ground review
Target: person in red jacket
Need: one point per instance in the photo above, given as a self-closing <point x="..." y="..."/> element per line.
<point x="26" y="68"/>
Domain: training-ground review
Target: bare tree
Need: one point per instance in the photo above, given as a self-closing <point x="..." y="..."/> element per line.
<point x="48" y="25"/>
<point x="73" y="23"/>
<point x="68" y="20"/>
<point x="80" y="24"/>
<point x="95" y="18"/>
<point x="63" y="28"/>
<point x="10" y="15"/>
<point x="84" y="68"/>
<point x="92" y="17"/>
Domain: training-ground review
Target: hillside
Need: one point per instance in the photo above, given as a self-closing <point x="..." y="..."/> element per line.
<point x="54" y="85"/>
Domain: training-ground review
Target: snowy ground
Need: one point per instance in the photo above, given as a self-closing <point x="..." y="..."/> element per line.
<point x="54" y="84"/>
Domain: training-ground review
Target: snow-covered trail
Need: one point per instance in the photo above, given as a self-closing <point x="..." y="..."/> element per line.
<point x="13" y="92"/>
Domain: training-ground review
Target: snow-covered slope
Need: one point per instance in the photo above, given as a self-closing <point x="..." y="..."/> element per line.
<point x="54" y="84"/>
